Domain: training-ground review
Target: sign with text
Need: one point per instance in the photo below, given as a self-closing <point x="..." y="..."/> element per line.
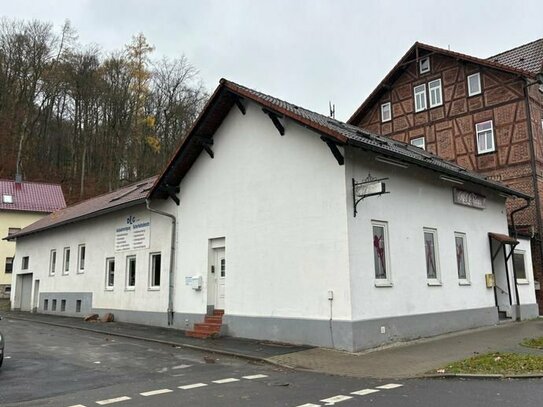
<point x="467" y="198"/>
<point x="133" y="234"/>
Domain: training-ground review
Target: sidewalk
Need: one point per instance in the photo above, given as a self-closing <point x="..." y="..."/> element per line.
<point x="401" y="361"/>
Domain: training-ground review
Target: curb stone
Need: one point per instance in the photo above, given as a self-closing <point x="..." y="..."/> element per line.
<point x="480" y="376"/>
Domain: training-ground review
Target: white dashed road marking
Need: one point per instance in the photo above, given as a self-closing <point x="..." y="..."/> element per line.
<point x="77" y="405"/>
<point x="228" y="380"/>
<point x="255" y="376"/>
<point x="192" y="386"/>
<point x="111" y="401"/>
<point x="155" y="392"/>
<point x="336" y="399"/>
<point x="309" y="405"/>
<point x="364" y="392"/>
<point x="180" y="367"/>
<point x="389" y="386"/>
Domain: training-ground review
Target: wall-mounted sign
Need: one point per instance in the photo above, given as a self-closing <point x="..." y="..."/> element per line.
<point x="133" y="234"/>
<point x="467" y="198"/>
<point x="370" y="186"/>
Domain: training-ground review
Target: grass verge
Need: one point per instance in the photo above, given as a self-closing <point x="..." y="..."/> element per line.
<point x="536" y="343"/>
<point x="497" y="363"/>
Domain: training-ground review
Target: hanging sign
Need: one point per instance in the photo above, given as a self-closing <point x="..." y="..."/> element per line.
<point x="133" y="234"/>
<point x="467" y="198"/>
<point x="370" y="186"/>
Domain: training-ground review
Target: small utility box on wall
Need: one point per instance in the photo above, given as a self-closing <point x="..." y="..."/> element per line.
<point x="196" y="283"/>
<point x="490" y="282"/>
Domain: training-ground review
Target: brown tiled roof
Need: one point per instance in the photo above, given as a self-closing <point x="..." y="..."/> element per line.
<point x="410" y="57"/>
<point x="31" y="196"/>
<point x="224" y="98"/>
<point x="127" y="196"/>
<point x="528" y="57"/>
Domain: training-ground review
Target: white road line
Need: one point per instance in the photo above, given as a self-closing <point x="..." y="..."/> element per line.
<point x="255" y="376"/>
<point x="155" y="392"/>
<point x="77" y="405"/>
<point x="181" y="367"/>
<point x="228" y="380"/>
<point x="389" y="386"/>
<point x="111" y="401"/>
<point x="336" y="399"/>
<point x="192" y="386"/>
<point x="364" y="392"/>
<point x="309" y="405"/>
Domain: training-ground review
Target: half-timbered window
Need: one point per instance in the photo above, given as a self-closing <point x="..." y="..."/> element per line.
<point x="424" y="65"/>
<point x="431" y="255"/>
<point x="461" y="257"/>
<point x="474" y="84"/>
<point x="419" y="142"/>
<point x="386" y="113"/>
<point x="434" y="89"/>
<point x="485" y="137"/>
<point x="420" y="97"/>
<point x="380" y="253"/>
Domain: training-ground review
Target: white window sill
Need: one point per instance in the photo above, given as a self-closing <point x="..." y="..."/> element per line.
<point x="65" y="274"/>
<point x="383" y="283"/>
<point x="386" y="121"/>
<point x="473" y="94"/>
<point x="441" y="104"/>
<point x="464" y="282"/>
<point x="81" y="272"/>
<point x="109" y="288"/>
<point x="522" y="281"/>
<point x="434" y="283"/>
<point x="130" y="289"/>
<point x="486" y="151"/>
<point x="154" y="288"/>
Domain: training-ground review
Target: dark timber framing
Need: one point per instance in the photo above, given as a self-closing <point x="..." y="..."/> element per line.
<point x="275" y="119"/>
<point x="335" y="151"/>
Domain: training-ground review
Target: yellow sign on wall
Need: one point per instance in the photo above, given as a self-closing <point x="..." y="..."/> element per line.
<point x="490" y="282"/>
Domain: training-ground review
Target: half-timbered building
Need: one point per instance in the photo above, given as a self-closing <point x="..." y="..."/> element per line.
<point x="483" y="114"/>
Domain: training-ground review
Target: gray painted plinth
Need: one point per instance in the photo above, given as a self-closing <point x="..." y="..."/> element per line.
<point x="183" y="321"/>
<point x="524" y="311"/>
<point x="358" y="335"/>
<point x="71" y="304"/>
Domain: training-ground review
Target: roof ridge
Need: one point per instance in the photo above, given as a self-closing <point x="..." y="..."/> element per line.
<point x="515" y="48"/>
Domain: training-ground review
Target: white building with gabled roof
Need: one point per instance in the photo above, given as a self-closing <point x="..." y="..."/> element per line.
<point x="273" y="222"/>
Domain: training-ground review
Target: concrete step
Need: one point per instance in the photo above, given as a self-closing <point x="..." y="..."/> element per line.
<point x="218" y="312"/>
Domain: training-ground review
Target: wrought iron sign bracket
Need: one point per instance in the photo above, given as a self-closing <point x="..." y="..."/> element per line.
<point x="370" y="186"/>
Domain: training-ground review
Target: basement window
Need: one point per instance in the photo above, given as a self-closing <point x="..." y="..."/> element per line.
<point x="78" y="306"/>
<point x="45" y="305"/>
<point x="62" y="305"/>
<point x="54" y="305"/>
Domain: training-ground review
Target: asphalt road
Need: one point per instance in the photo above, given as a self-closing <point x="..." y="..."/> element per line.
<point x="53" y="366"/>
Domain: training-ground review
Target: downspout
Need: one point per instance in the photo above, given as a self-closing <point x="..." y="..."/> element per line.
<point x="172" y="258"/>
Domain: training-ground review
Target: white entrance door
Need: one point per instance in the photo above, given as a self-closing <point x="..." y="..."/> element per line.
<point x="220" y="278"/>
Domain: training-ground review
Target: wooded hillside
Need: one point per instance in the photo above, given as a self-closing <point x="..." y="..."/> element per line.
<point x="90" y="120"/>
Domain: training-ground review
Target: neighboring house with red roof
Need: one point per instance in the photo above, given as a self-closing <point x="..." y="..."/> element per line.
<point x="21" y="204"/>
<point x="275" y="222"/>
<point x="483" y="114"/>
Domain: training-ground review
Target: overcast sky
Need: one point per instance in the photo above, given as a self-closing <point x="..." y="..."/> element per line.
<point x="306" y="52"/>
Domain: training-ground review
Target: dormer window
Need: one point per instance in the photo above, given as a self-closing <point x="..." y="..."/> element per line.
<point x="424" y="65"/>
<point x="7" y="199"/>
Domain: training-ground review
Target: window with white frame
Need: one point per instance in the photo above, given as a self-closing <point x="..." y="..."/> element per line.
<point x="380" y="253"/>
<point x="424" y="65"/>
<point x="81" y="258"/>
<point x="52" y="262"/>
<point x="66" y="261"/>
<point x="386" y="112"/>
<point x="131" y="272"/>
<point x="24" y="263"/>
<point x="110" y="273"/>
<point x="434" y="90"/>
<point x="485" y="137"/>
<point x="420" y="97"/>
<point x="155" y="269"/>
<point x="474" y="84"/>
<point x="431" y="256"/>
<point x="461" y="257"/>
<point x="519" y="264"/>
<point x="419" y="142"/>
